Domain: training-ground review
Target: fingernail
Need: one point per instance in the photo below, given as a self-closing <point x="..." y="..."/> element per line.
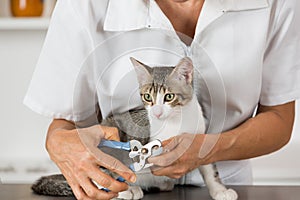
<point x="133" y="179"/>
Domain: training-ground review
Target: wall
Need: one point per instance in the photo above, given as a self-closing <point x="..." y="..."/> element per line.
<point x="22" y="133"/>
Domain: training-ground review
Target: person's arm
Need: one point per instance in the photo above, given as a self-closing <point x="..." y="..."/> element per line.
<point x="267" y="132"/>
<point x="76" y="154"/>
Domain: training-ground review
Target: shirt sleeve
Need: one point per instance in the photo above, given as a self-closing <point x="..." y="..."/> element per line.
<point x="61" y="78"/>
<point x="281" y="69"/>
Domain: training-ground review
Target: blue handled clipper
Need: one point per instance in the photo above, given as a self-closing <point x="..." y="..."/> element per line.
<point x="136" y="151"/>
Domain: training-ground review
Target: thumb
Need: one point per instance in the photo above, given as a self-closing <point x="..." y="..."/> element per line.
<point x="110" y="133"/>
<point x="166" y="142"/>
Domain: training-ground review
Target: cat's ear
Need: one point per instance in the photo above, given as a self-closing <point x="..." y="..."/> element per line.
<point x="183" y="70"/>
<point x="143" y="71"/>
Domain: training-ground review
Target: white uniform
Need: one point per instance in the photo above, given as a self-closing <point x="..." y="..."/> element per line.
<point x="245" y="52"/>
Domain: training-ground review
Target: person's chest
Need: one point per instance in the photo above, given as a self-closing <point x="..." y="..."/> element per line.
<point x="227" y="52"/>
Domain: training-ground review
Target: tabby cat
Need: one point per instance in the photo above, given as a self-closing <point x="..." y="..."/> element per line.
<point x="170" y="108"/>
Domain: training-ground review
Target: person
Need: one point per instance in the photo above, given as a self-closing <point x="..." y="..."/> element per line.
<point x="247" y="77"/>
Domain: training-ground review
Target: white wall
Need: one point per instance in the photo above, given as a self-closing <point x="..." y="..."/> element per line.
<point x="22" y="132"/>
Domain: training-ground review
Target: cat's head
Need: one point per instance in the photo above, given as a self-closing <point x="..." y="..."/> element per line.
<point x="164" y="90"/>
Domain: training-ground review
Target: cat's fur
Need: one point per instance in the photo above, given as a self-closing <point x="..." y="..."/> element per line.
<point x="171" y="108"/>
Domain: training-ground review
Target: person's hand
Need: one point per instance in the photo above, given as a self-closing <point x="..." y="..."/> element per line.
<point x="76" y="154"/>
<point x="182" y="154"/>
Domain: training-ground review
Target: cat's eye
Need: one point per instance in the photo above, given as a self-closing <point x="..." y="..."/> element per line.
<point x="169" y="97"/>
<point x="147" y="97"/>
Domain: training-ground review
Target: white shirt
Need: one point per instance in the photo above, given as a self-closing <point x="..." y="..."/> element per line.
<point x="244" y="52"/>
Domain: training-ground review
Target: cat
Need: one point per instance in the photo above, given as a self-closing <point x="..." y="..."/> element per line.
<point x="170" y="108"/>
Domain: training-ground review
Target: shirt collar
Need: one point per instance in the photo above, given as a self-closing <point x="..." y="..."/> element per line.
<point x="126" y="15"/>
<point x="240" y="5"/>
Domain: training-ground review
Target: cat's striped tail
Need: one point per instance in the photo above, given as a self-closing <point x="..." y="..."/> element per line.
<point x="53" y="185"/>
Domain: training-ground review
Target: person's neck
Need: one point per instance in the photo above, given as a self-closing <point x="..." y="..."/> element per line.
<point x="181" y="3"/>
<point x="183" y="14"/>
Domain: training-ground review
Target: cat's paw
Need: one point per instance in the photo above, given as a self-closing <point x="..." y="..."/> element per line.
<point x="133" y="192"/>
<point x="228" y="194"/>
<point x="166" y="185"/>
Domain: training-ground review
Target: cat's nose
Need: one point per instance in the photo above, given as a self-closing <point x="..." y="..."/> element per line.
<point x="157" y="111"/>
<point x="158" y="115"/>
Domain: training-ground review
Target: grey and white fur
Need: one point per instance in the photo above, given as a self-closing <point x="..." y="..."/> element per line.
<point x="170" y="108"/>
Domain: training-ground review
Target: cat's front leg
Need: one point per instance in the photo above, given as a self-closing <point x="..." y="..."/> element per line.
<point x="147" y="181"/>
<point x="216" y="189"/>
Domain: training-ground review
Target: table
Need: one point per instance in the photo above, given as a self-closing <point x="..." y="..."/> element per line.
<point x="23" y="192"/>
